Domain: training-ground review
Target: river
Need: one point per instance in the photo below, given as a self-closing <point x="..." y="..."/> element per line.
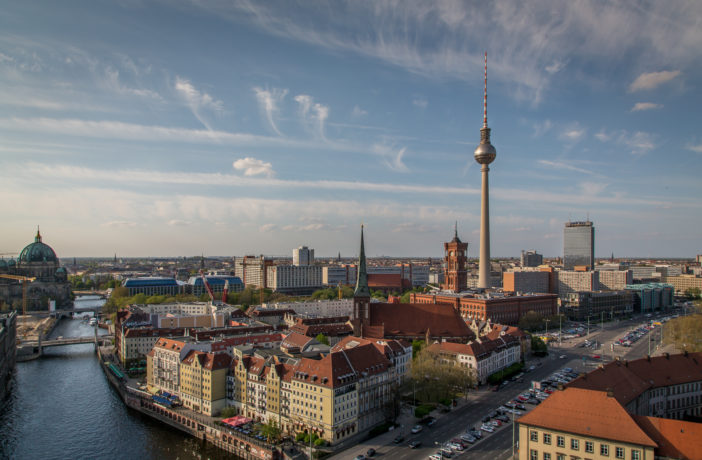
<point x="61" y="407"/>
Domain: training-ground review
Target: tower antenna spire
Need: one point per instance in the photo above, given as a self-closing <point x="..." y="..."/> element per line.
<point x="485" y="96"/>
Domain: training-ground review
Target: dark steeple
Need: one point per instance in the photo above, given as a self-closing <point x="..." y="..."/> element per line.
<point x="361" y="274"/>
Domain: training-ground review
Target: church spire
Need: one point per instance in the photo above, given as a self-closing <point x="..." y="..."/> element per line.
<point x="37" y="239"/>
<point x="361" y="274"/>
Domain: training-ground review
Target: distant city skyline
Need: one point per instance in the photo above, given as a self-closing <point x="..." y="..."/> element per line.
<point x="152" y="129"/>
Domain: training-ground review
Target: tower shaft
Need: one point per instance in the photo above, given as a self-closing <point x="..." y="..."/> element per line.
<point x="484" y="268"/>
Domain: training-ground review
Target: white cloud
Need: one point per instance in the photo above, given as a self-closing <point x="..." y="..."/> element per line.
<point x="592" y="188"/>
<point x="267" y="228"/>
<point x="645" y="106"/>
<point x="119" y="224"/>
<point x="112" y="82"/>
<point x="358" y="112"/>
<point x="420" y="102"/>
<point x="313" y="114"/>
<point x="391" y="157"/>
<point x="695" y="148"/>
<point x="573" y="134"/>
<point x="652" y="80"/>
<point x="637" y="143"/>
<point x="443" y="38"/>
<point x="254" y="167"/>
<point x="555" y="67"/>
<point x="541" y="128"/>
<point x="179" y="223"/>
<point x="6" y="58"/>
<point x="268" y="101"/>
<point x="197" y="101"/>
<point x="566" y="166"/>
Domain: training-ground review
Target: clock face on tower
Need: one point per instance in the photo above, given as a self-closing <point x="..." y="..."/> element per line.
<point x="450" y="253"/>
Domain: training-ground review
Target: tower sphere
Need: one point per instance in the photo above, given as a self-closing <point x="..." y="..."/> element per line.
<point x="485" y="153"/>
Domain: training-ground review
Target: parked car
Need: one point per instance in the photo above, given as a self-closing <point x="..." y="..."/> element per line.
<point x="414" y="444"/>
<point x="416" y="429"/>
<point x="370" y="452"/>
<point x="398" y="439"/>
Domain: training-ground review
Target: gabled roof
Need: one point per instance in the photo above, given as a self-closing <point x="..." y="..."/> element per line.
<point x="587" y="413"/>
<point x="209" y="361"/>
<point x="413" y="319"/>
<point x="675" y="438"/>
<point x="295" y="340"/>
<point x="169" y="344"/>
<point x="628" y="379"/>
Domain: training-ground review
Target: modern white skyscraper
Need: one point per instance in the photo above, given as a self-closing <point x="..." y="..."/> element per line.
<point x="578" y="245"/>
<point x="484" y="155"/>
<point x="303" y="256"/>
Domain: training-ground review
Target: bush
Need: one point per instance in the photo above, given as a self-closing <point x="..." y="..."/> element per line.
<point x="423" y="410"/>
<point x="380" y="429"/>
<point x="228" y="412"/>
<point x="320" y="442"/>
<point x="446" y="401"/>
<point x="504" y="374"/>
<point x="300" y="436"/>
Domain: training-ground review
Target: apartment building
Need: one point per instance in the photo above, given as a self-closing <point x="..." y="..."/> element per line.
<point x="614" y="280"/>
<point x="203" y="381"/>
<point x="318" y="308"/>
<point x="575" y="281"/>
<point x="303" y="279"/>
<point x="483" y="356"/>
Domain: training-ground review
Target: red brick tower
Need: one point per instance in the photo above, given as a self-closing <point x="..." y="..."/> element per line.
<point x="455" y="275"/>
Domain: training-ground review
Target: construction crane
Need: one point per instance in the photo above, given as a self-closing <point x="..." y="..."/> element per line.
<point x="207" y="285"/>
<point x="23" y="280"/>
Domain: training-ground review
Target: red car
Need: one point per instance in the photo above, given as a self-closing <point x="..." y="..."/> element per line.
<point x="548" y="390"/>
<point x="596" y="356"/>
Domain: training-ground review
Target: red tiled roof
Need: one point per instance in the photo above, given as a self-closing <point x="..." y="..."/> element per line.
<point x="628" y="379"/>
<point x="170" y="344"/>
<point x="331" y="330"/>
<point x="413" y="319"/>
<point x="587" y="413"/>
<point x="675" y="438"/>
<point x="295" y="340"/>
<point x="209" y="361"/>
<point x="389" y="280"/>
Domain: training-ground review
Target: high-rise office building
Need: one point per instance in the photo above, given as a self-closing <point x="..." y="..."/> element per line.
<point x="531" y="259"/>
<point x="578" y="245"/>
<point x="303" y="256"/>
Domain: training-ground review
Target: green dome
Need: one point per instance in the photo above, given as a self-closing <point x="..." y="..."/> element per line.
<point x="37" y="252"/>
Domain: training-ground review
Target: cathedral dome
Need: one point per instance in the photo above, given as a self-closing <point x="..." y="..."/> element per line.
<point x="37" y="252"/>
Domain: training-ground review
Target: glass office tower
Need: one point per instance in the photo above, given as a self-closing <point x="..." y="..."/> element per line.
<point x="578" y="245"/>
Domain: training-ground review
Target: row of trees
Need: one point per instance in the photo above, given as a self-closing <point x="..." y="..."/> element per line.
<point x="79" y="283"/>
<point x="536" y="322"/>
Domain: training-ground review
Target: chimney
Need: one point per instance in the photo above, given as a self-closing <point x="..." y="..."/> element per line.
<point x="610" y="393"/>
<point x="560" y="387"/>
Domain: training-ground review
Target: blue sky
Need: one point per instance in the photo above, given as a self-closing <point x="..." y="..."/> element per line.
<point x="233" y="127"/>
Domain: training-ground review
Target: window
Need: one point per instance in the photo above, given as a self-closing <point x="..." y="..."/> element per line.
<point x="534" y="436"/>
<point x="604" y="450"/>
<point x="619" y="452"/>
<point x="635" y="455"/>
<point x="547" y="456"/>
<point x="560" y="457"/>
<point x="589" y="447"/>
<point x="560" y="441"/>
<point x="547" y="438"/>
<point x="533" y="455"/>
<point x="574" y="444"/>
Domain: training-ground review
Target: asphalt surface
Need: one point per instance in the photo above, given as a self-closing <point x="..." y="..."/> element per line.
<point x="470" y="411"/>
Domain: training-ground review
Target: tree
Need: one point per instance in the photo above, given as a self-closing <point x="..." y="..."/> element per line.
<point x="321" y="338"/>
<point x="693" y="293"/>
<point x="120" y="291"/>
<point x="436" y="377"/>
<point x="538" y="347"/>
<point x="270" y="430"/>
<point x="416" y="347"/>
<point x="531" y="321"/>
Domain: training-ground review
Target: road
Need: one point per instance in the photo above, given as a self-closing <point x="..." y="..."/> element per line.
<point x="498" y="445"/>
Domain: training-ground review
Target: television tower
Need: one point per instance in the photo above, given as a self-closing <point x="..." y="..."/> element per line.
<point x="484" y="154"/>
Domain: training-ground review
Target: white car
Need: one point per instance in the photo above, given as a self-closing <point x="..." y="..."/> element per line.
<point x="416" y="429"/>
<point x="488" y="428"/>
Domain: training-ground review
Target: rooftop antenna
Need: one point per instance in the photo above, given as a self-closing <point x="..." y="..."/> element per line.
<point x="455" y="229"/>
<point x="485" y="96"/>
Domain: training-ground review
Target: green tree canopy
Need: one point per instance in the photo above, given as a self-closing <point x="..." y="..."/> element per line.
<point x="321" y="338"/>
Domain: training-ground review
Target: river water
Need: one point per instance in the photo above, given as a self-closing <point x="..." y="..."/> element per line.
<point x="62" y="407"/>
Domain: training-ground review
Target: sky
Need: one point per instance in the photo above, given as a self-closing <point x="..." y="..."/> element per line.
<point x="224" y="128"/>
